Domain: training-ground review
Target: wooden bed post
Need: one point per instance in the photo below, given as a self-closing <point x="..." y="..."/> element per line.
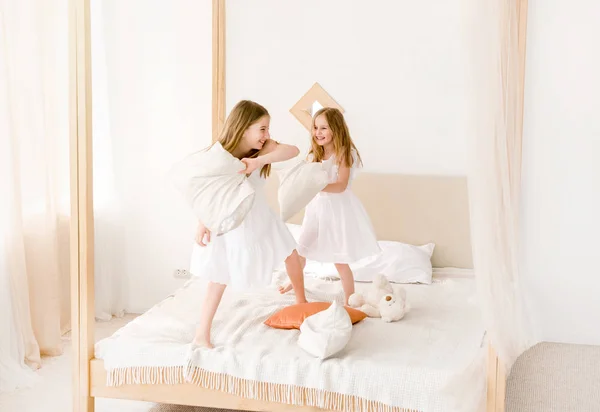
<point x="496" y="393"/>
<point x="496" y="383"/>
<point x="218" y="67"/>
<point x="82" y="214"/>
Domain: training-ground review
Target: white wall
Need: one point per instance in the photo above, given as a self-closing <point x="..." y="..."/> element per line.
<point x="397" y="68"/>
<point x="406" y="103"/>
<point x="404" y="99"/>
<point x="158" y="69"/>
<point x="561" y="167"/>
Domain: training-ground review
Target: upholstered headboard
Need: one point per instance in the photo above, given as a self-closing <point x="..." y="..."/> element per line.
<point x="415" y="210"/>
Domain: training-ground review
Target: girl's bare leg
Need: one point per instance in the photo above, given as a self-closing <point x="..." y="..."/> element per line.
<point x="214" y="293"/>
<point x="295" y="271"/>
<point x="347" y="279"/>
<point x="289" y="286"/>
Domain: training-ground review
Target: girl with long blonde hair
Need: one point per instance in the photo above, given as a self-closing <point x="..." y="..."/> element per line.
<point x="336" y="228"/>
<point x="246" y="256"/>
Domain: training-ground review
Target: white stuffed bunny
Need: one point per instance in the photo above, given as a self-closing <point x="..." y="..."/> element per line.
<point x="380" y="301"/>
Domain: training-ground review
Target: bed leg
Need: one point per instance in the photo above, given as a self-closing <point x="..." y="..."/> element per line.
<point x="500" y="388"/>
<point x="85" y="404"/>
<point x="491" y="380"/>
<point x="496" y="383"/>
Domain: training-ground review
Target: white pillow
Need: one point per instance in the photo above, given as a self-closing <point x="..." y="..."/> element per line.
<point x="326" y="333"/>
<point x="299" y="184"/>
<point x="211" y="184"/>
<point x="399" y="262"/>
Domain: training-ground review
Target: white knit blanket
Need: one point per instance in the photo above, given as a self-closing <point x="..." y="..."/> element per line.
<point x="432" y="360"/>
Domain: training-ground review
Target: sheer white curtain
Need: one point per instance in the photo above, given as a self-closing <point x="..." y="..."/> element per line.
<point x="17" y="342"/>
<point x="146" y="110"/>
<point x="34" y="182"/>
<point x="108" y="223"/>
<point x="495" y="173"/>
<point x="151" y="107"/>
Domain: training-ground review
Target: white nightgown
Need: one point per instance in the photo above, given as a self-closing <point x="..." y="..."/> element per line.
<point x="246" y="257"/>
<point x="336" y="227"/>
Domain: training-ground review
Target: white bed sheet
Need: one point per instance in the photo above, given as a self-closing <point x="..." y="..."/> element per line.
<point x="432" y="360"/>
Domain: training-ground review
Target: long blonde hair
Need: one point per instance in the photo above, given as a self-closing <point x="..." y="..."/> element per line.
<point x="244" y="114"/>
<point x="342" y="142"/>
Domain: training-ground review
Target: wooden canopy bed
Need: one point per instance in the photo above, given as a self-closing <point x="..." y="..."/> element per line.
<point x="90" y="376"/>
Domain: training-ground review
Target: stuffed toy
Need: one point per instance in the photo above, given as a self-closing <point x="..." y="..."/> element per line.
<point x="380" y="301"/>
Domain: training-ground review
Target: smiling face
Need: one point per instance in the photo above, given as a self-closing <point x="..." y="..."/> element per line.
<point x="257" y="134"/>
<point x="330" y="134"/>
<point x="246" y="129"/>
<point x="322" y="133"/>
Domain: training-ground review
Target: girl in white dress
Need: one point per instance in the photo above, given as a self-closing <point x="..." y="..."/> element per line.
<point x="246" y="256"/>
<point x="336" y="228"/>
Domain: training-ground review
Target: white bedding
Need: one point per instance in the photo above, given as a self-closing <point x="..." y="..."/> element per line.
<point x="430" y="360"/>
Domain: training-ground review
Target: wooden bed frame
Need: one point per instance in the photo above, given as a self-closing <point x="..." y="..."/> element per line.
<point x="89" y="374"/>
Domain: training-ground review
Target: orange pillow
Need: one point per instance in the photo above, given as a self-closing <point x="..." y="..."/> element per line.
<point x="291" y="317"/>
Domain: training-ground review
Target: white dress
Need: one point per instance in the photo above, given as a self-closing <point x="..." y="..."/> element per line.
<point x="336" y="227"/>
<point x="246" y="257"/>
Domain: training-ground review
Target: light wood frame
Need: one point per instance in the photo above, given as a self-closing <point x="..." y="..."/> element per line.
<point x="82" y="213"/>
<point x="218" y="67"/>
<point x="89" y="375"/>
<point x="315" y="93"/>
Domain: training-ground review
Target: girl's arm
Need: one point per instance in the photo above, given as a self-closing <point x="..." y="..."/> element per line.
<point x="274" y="152"/>
<point x="342" y="182"/>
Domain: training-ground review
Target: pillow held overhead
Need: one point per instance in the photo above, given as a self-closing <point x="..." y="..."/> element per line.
<point x="299" y="184"/>
<point x="219" y="196"/>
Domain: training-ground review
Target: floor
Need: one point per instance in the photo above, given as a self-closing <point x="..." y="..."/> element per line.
<point x="53" y="392"/>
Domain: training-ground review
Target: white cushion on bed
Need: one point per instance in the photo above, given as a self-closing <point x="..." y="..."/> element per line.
<point x="326" y="333"/>
<point x="212" y="185"/>
<point x="399" y="262"/>
<point x="298" y="185"/>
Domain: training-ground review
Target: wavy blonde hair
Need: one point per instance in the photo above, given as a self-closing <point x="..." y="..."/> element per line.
<point x="342" y="142"/>
<point x="243" y="115"/>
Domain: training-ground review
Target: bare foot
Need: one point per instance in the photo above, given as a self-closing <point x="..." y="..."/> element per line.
<point x="285" y="289"/>
<point x="202" y="342"/>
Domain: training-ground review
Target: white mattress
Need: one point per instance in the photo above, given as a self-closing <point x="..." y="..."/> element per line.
<point x="432" y="360"/>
